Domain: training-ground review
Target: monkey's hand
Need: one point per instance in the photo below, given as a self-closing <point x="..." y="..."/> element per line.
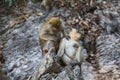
<point x="46" y="36"/>
<point x="51" y="50"/>
<point x="61" y="48"/>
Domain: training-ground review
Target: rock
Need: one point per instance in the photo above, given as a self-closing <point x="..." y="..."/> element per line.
<point x="3" y="76"/>
<point x="22" y="50"/>
<point x="47" y="65"/>
<point x="109" y="58"/>
<point x="87" y="71"/>
<point x="70" y="73"/>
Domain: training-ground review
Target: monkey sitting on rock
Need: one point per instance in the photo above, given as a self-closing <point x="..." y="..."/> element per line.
<point x="70" y="50"/>
<point x="50" y="34"/>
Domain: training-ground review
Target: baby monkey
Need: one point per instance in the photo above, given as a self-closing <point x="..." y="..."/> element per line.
<point x="50" y="34"/>
<point x="70" y="50"/>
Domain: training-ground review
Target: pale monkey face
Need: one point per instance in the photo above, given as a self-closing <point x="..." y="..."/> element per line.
<point x="74" y="35"/>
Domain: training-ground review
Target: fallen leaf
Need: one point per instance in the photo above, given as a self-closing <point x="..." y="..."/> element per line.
<point x="40" y="14"/>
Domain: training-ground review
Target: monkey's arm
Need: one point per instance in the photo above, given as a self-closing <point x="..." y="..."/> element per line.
<point x="61" y="48"/>
<point x="79" y="55"/>
<point x="62" y="35"/>
<point x="47" y="36"/>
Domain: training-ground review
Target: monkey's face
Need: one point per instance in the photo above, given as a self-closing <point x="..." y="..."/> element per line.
<point x="74" y="35"/>
<point x="55" y="23"/>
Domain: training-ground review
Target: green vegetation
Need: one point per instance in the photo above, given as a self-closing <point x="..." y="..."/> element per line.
<point x="12" y="2"/>
<point x="16" y="2"/>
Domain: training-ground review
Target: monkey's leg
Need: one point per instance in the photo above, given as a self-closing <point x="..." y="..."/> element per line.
<point x="74" y="63"/>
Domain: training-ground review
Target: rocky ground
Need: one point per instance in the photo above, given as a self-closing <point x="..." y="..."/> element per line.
<point x="20" y="46"/>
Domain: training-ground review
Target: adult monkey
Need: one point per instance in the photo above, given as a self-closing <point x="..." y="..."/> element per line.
<point x="50" y="34"/>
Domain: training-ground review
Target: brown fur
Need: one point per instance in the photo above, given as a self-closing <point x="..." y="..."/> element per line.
<point x="49" y="34"/>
